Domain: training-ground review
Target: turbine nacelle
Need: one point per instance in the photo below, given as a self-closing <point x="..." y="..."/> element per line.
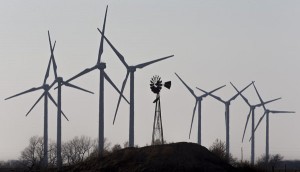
<point x="59" y="79"/>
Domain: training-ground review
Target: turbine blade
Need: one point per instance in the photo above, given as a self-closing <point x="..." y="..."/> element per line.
<point x="24" y="92"/>
<point x="261" y="118"/>
<point x="206" y="94"/>
<point x="52" y="56"/>
<point x="261" y="101"/>
<point x="142" y="65"/>
<point x="76" y="87"/>
<point x="260" y="104"/>
<point x="48" y="68"/>
<point x="35" y="103"/>
<point x="101" y="42"/>
<point x="120" y="56"/>
<point x="115" y="87"/>
<point x="193" y="118"/>
<point x="240" y="92"/>
<point x="210" y="94"/>
<point x="191" y="91"/>
<point x="276" y="111"/>
<point x="82" y="73"/>
<point x="53" y="101"/>
<point x="52" y="84"/>
<point x="119" y="100"/>
<point x="246" y="125"/>
<point x="245" y="99"/>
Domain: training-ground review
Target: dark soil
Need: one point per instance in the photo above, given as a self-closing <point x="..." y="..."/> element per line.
<point x="177" y="157"/>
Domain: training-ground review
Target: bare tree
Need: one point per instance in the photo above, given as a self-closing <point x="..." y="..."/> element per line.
<point x="116" y="147"/>
<point x="219" y="148"/>
<point x="52" y="154"/>
<point x="32" y="155"/>
<point x="77" y="149"/>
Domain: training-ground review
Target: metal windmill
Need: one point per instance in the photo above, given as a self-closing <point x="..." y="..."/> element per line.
<point x="60" y="82"/>
<point x="46" y="95"/>
<point x="252" y="112"/>
<point x="130" y="70"/>
<point x="199" y="102"/>
<point x="156" y="86"/>
<point x="266" y="114"/>
<point x="100" y="66"/>
<point x="227" y="105"/>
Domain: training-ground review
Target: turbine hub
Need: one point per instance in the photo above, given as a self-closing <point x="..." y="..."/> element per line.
<point x="46" y="87"/>
<point x="101" y="65"/>
<point x="131" y="69"/>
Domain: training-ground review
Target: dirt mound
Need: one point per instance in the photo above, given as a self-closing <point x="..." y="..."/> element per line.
<point x="179" y="157"/>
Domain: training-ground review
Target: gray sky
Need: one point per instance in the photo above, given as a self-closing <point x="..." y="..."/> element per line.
<point x="214" y="42"/>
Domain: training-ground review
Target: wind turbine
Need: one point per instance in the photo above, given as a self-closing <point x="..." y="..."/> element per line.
<point x="46" y="94"/>
<point x="60" y="82"/>
<point x="198" y="101"/>
<point x="266" y="114"/>
<point x="252" y="112"/>
<point x="227" y="105"/>
<point x="130" y="70"/>
<point x="100" y="66"/>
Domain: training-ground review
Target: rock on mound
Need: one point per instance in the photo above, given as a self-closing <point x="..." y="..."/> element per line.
<point x="179" y="157"/>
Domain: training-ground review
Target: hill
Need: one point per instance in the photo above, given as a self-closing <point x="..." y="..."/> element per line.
<point x="181" y="157"/>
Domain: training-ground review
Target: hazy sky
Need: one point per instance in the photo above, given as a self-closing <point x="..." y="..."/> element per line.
<point x="214" y="42"/>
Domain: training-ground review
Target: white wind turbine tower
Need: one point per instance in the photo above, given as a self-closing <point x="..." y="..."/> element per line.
<point x="266" y="114"/>
<point x="100" y="66"/>
<point x="130" y="70"/>
<point x="46" y="94"/>
<point x="227" y="104"/>
<point x="60" y="82"/>
<point x="252" y="112"/>
<point x="198" y="101"/>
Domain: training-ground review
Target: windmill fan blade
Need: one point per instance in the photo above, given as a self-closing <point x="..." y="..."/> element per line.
<point x="48" y="67"/>
<point x="206" y="94"/>
<point x="115" y="87"/>
<point x="52" y="56"/>
<point x="276" y="111"/>
<point x="193" y="118"/>
<point x="216" y="97"/>
<point x="120" y="56"/>
<point x="53" y="101"/>
<point x="24" y="92"/>
<point x="245" y="99"/>
<point x="246" y="124"/>
<point x="240" y="92"/>
<point x="191" y="91"/>
<point x="35" y="103"/>
<point x="260" y="104"/>
<point x="261" y="101"/>
<point x="102" y="40"/>
<point x="140" y="66"/>
<point x="81" y="73"/>
<point x="76" y="87"/>
<point x="119" y="100"/>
